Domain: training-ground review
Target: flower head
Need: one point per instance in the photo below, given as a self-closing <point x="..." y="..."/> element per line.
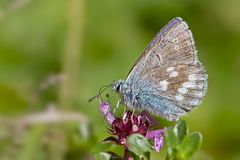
<point x="130" y="123"/>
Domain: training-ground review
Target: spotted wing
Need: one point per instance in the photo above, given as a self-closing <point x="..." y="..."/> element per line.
<point x="181" y="87"/>
<point x="172" y="45"/>
<point x="168" y="79"/>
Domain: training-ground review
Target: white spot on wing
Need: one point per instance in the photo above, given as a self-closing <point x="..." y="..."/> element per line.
<point x="170" y="69"/>
<point x="164" y="85"/>
<point x="198" y="94"/>
<point x="194" y="103"/>
<point x="179" y="97"/>
<point x="189" y="84"/>
<point x="175" y="40"/>
<point x="199" y="86"/>
<point x="183" y="90"/>
<point x="192" y="77"/>
<point x="173" y="74"/>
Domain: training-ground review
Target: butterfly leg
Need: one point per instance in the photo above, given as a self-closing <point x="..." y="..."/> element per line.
<point x="116" y="107"/>
<point x="132" y="114"/>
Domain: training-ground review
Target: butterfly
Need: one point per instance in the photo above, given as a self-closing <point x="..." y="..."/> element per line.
<point x="167" y="79"/>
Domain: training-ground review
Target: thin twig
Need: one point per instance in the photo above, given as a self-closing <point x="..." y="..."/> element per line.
<point x="50" y="116"/>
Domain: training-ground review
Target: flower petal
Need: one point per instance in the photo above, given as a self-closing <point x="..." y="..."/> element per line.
<point x="155" y="133"/>
<point x="157" y="136"/>
<point x="158" y="143"/>
<point x="105" y="109"/>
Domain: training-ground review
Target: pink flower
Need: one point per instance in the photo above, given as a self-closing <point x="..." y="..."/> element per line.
<point x="130" y="123"/>
<point x="105" y="109"/>
<point x="157" y="136"/>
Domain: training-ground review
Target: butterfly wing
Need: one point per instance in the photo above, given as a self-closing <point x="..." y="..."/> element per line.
<point x="172" y="45"/>
<point x="168" y="78"/>
<point x="173" y="90"/>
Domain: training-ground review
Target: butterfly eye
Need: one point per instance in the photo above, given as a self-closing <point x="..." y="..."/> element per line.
<point x="118" y="88"/>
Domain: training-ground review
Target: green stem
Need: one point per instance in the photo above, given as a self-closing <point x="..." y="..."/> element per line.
<point x="71" y="54"/>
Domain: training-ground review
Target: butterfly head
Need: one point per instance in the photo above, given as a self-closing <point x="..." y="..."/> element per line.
<point x="116" y="85"/>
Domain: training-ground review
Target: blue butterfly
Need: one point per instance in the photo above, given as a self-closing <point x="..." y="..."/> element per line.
<point x="167" y="80"/>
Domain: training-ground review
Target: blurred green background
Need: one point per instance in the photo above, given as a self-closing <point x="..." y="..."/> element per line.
<point x="54" y="56"/>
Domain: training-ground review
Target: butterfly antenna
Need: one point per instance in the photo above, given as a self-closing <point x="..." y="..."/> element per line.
<point x="101" y="90"/>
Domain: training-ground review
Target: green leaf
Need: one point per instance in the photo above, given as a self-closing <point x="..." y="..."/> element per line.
<point x="181" y="129"/>
<point x="138" y="144"/>
<point x="134" y="156"/>
<point x="107" y="156"/>
<point x="114" y="156"/>
<point x="147" y="155"/>
<point x="189" y="145"/>
<point x="103" y="156"/>
<point x="140" y="157"/>
<point x="172" y="142"/>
